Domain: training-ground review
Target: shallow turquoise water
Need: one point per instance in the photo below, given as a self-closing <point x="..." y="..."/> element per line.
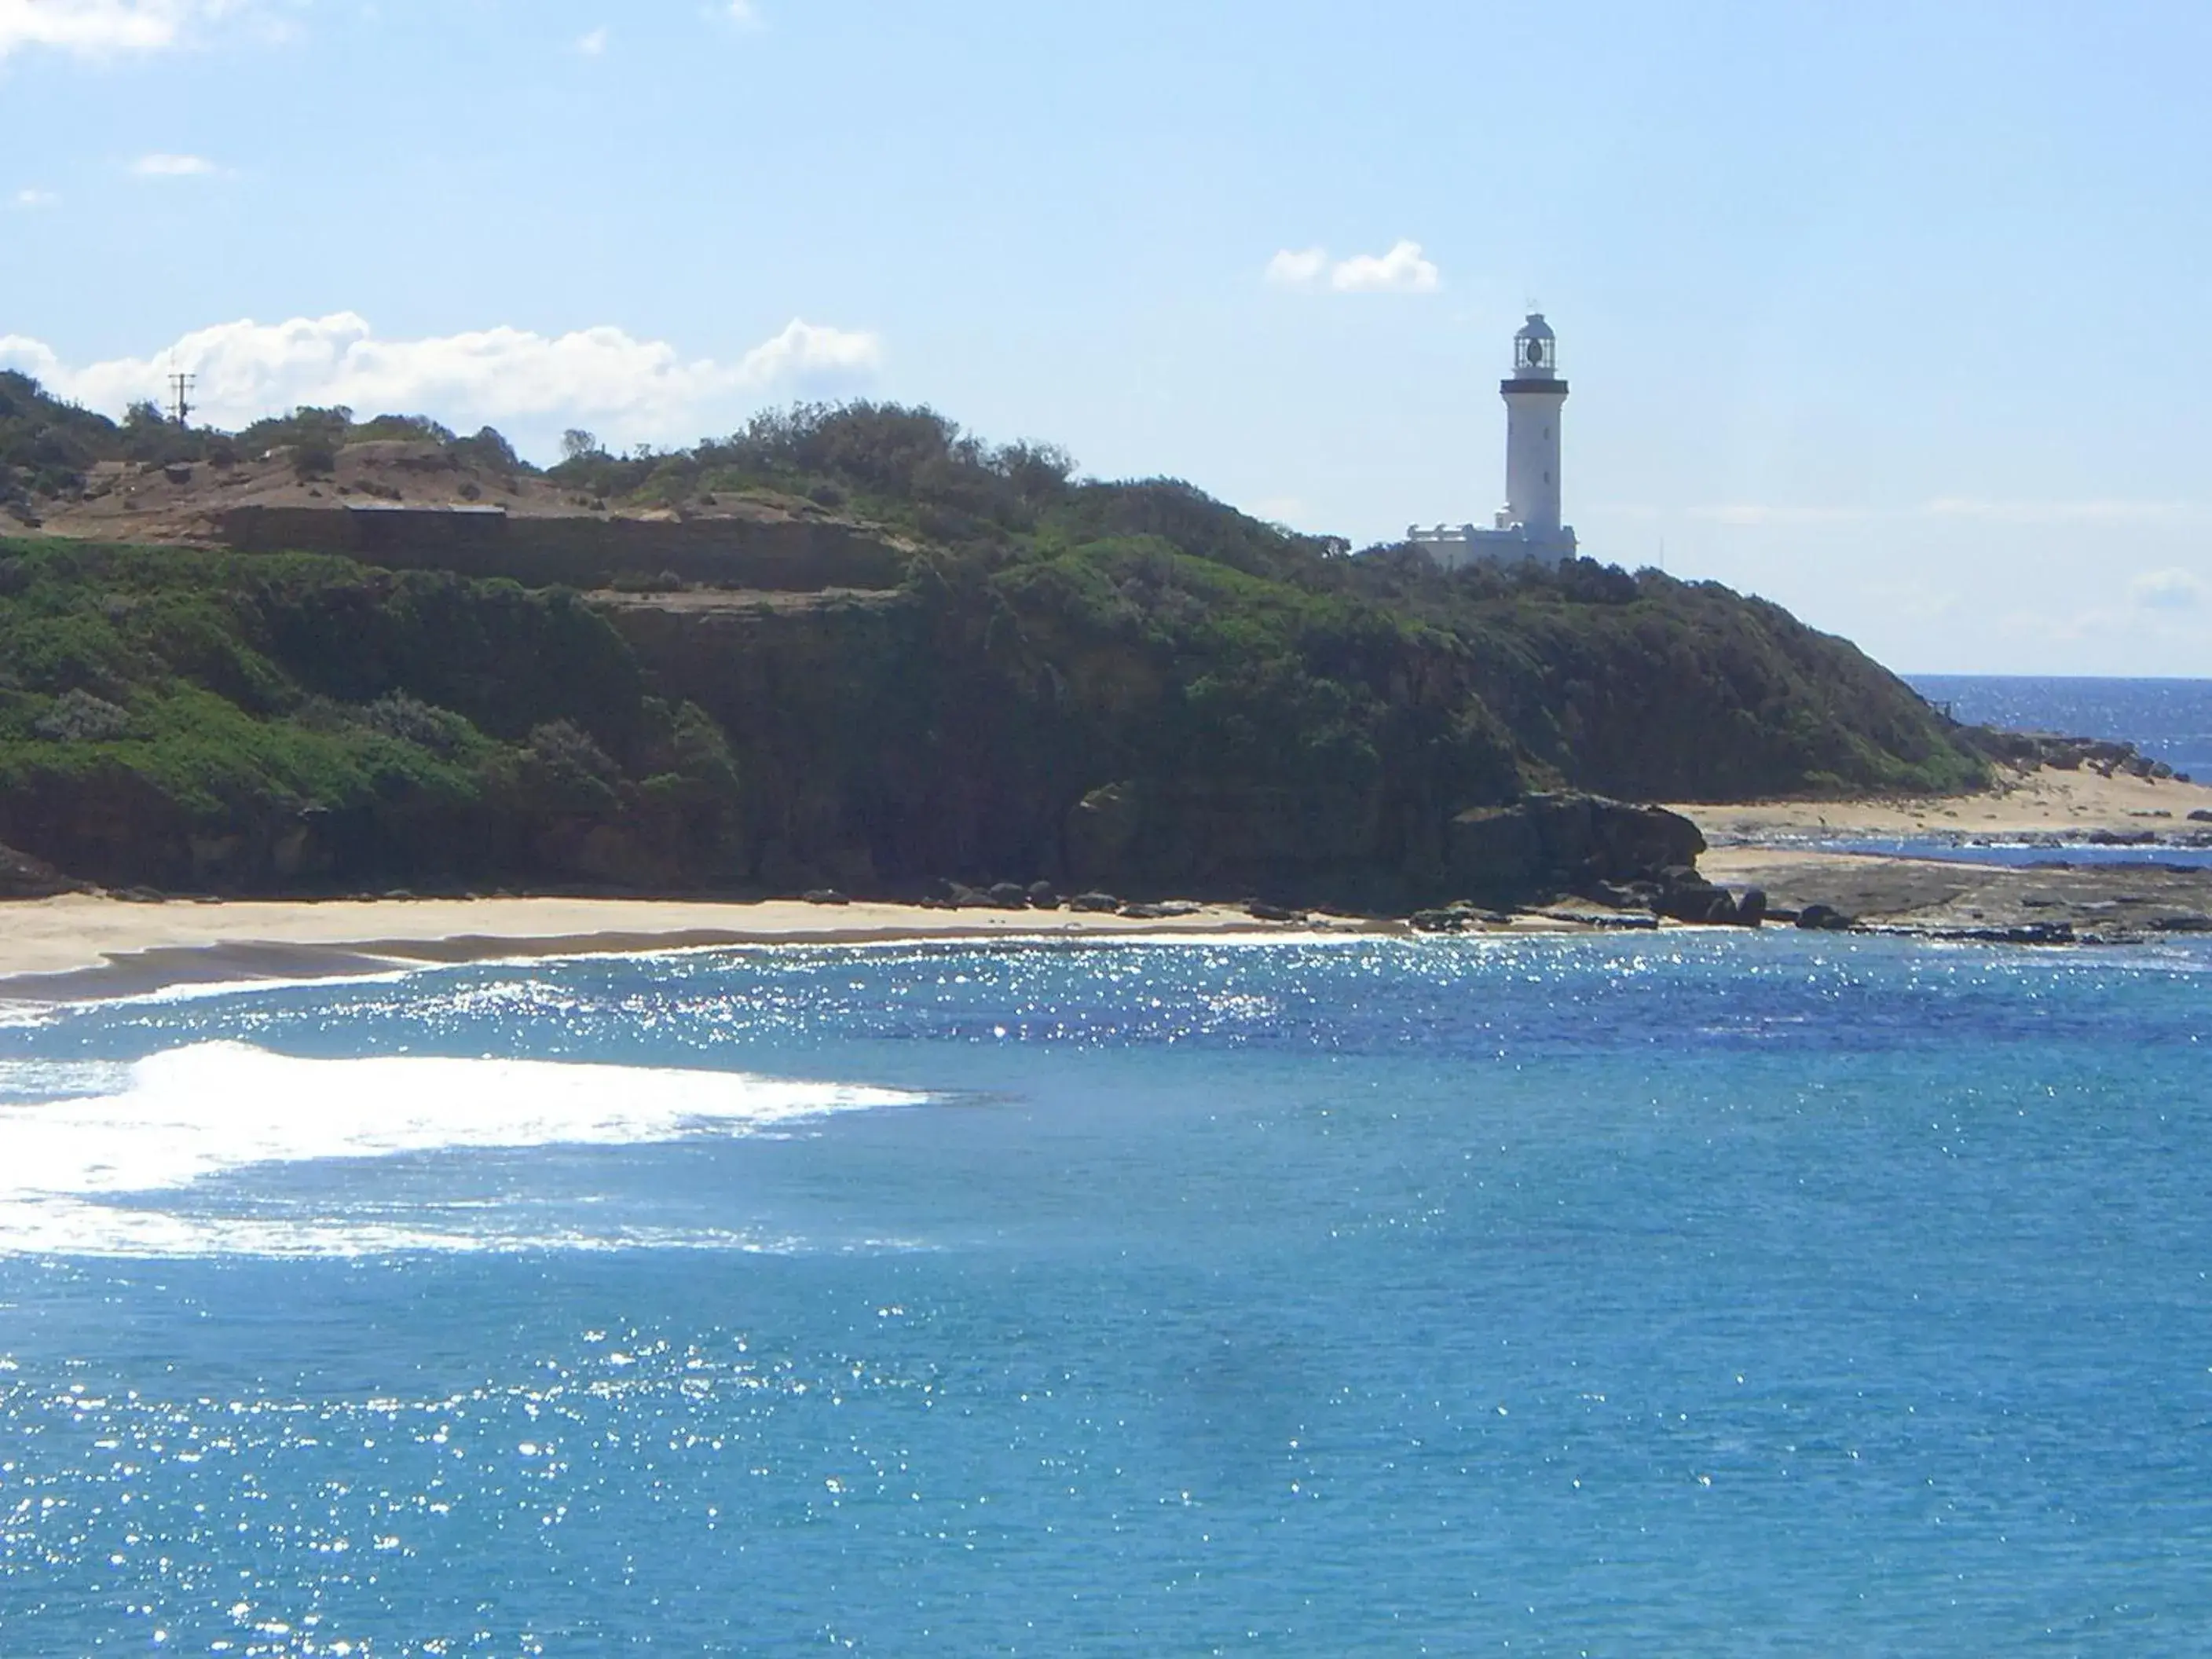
<point x="1757" y="1294"/>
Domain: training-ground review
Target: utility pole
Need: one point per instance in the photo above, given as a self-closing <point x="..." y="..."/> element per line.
<point x="180" y="390"/>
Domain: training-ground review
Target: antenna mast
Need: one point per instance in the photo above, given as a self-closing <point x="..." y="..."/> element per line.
<point x="180" y="391"/>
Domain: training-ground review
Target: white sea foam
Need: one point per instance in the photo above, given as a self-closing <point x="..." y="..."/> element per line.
<point x="185" y="1116"/>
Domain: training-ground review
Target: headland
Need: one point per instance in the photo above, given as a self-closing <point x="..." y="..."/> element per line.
<point x="856" y="653"/>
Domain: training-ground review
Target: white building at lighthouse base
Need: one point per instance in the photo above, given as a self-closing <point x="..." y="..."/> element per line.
<point x="1455" y="546"/>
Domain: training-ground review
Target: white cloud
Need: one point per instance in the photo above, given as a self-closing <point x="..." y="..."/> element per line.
<point x="1298" y="267"/>
<point x="35" y="198"/>
<point x="2171" y="589"/>
<point x="107" y="29"/>
<point x="594" y="44"/>
<point x="1403" y="270"/>
<point x="807" y="351"/>
<point x="632" y="390"/>
<point x="89" y="27"/>
<point x="744" y="12"/>
<point x="173" y="166"/>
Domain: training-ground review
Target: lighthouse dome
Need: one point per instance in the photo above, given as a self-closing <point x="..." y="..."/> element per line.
<point x="1535" y="349"/>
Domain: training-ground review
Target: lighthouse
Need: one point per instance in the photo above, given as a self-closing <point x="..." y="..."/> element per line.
<point x="1534" y="394"/>
<point x="1529" y="528"/>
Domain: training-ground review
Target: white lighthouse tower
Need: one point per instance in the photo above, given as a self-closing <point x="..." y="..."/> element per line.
<point x="1529" y="527"/>
<point x="1534" y="398"/>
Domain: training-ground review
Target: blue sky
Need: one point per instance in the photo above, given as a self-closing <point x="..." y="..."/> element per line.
<point x="1893" y="314"/>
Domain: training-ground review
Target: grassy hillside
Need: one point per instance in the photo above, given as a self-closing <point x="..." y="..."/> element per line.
<point x="1076" y="680"/>
<point x="202" y="719"/>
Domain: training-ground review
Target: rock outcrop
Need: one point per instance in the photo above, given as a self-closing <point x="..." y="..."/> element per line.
<point x="22" y="876"/>
<point x="1546" y="845"/>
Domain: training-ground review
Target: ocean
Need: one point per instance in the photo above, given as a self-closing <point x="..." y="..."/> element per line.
<point x="1648" y="1293"/>
<point x="2167" y="719"/>
<point x="1611" y="1295"/>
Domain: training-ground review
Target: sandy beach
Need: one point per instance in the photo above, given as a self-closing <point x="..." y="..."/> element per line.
<point x="85" y="946"/>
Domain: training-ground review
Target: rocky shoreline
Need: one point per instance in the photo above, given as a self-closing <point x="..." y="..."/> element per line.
<point x="1556" y="864"/>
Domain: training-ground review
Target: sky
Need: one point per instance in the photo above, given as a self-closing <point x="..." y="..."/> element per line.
<point x="1893" y="314"/>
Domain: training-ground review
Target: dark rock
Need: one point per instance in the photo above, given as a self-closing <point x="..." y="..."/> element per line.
<point x="1010" y="896"/>
<point x="1705" y="903"/>
<point x="1824" y="918"/>
<point x="22" y="876"/>
<point x="1751" y="907"/>
<point x="827" y="896"/>
<point x="2183" y="924"/>
<point x="2030" y="932"/>
<point x="1547" y="844"/>
<point x="964" y="897"/>
<point x="1497" y="852"/>
<point x="2201" y="815"/>
<point x="1682" y="895"/>
<point x="1103" y="902"/>
<point x="2122" y="837"/>
<point x="1160" y="912"/>
<point x="1261" y="911"/>
<point x="1441" y="921"/>
<point x="1102" y="830"/>
<point x="1633" y="896"/>
<point x="1625" y="920"/>
<point x="1044" y="895"/>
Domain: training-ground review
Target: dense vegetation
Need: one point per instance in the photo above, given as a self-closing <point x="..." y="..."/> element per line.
<point x="1077" y="680"/>
<point x="183" y="718"/>
<point x="48" y="447"/>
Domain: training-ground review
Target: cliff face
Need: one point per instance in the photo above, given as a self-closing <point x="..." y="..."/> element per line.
<point x="1159" y="696"/>
<point x="1126" y="715"/>
<point x="768" y="552"/>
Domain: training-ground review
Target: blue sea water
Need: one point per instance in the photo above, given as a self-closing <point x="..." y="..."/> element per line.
<point x="1646" y="1294"/>
<point x="1973" y="849"/>
<point x="2167" y="719"/>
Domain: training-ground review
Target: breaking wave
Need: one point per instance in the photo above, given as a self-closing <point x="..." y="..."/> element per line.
<point x="108" y="1173"/>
